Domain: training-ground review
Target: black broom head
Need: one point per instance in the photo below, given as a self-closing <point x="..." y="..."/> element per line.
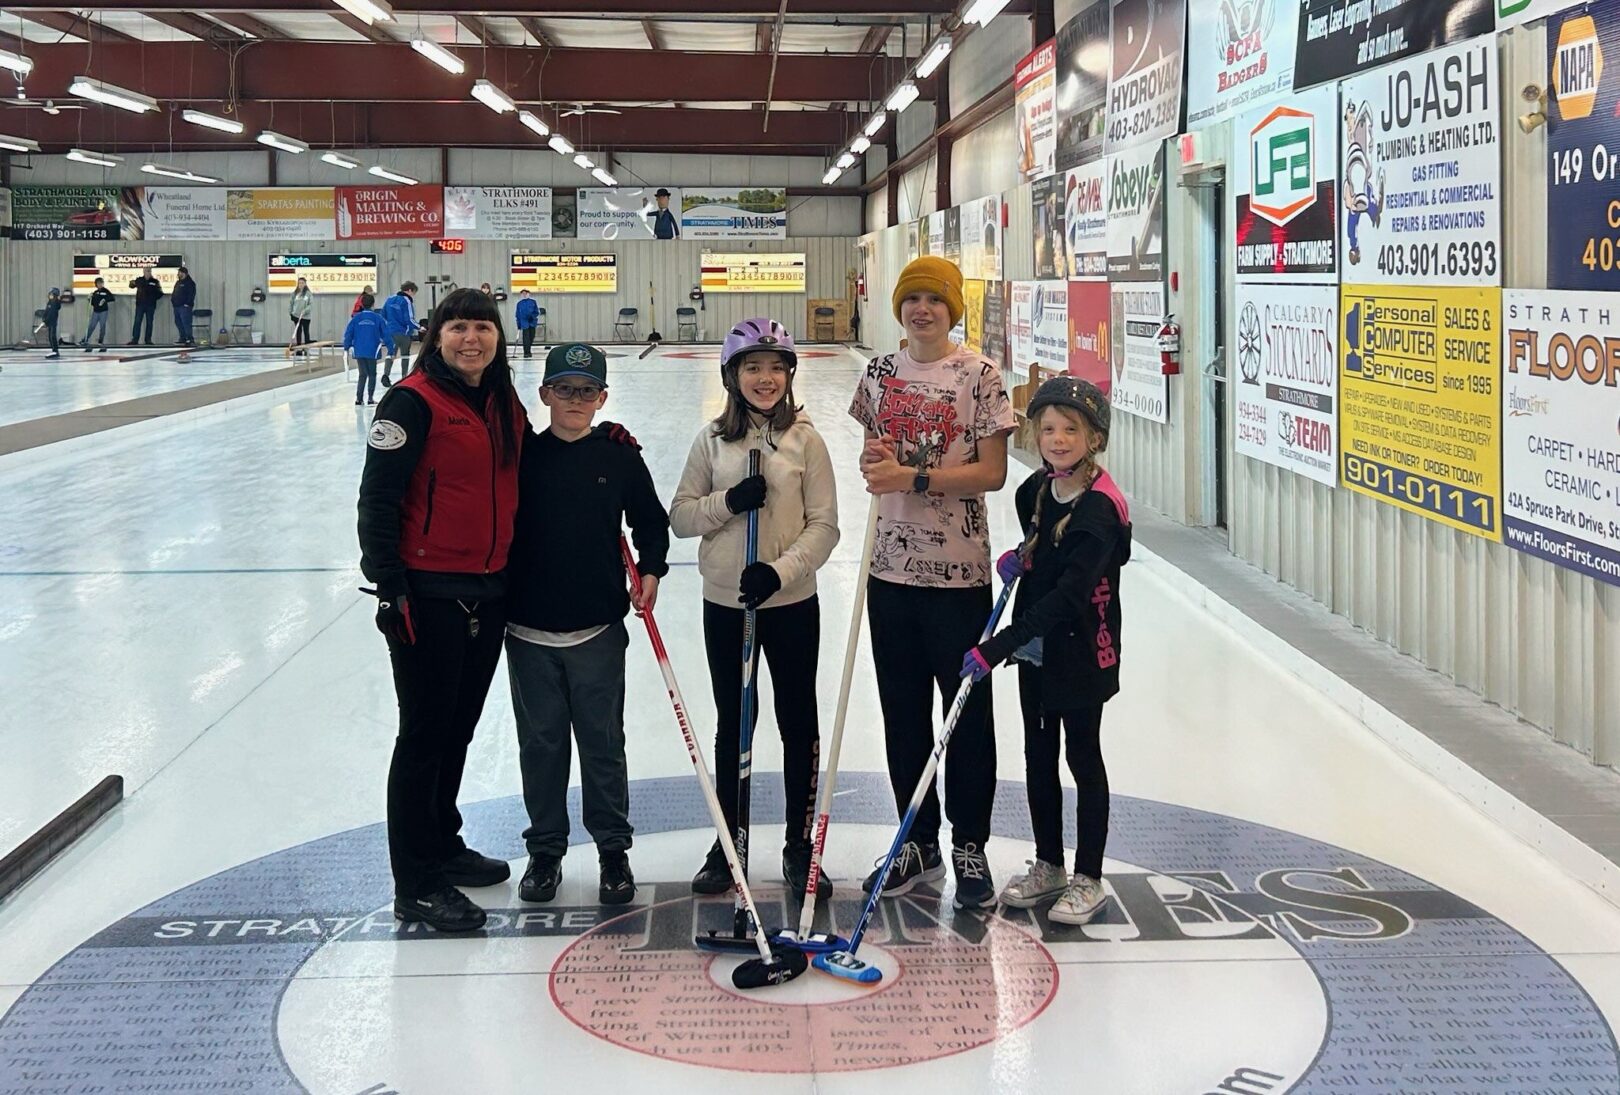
<point x="786" y="963"/>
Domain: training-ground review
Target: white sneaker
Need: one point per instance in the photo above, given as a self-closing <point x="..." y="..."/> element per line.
<point x="1041" y="882"/>
<point x="1079" y="902"/>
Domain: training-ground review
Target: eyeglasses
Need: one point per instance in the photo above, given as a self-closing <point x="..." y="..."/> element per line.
<point x="575" y="393"/>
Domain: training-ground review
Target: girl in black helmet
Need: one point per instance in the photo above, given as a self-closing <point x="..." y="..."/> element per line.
<point x="1065" y="637"/>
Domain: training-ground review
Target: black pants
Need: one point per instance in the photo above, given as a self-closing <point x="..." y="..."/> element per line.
<point x="441" y="681"/>
<point x="918" y="638"/>
<point x="402" y="350"/>
<point x="366" y="386"/>
<point x="50" y="329"/>
<point x="528" y="341"/>
<point x="1042" y="733"/>
<point x="300" y="331"/>
<point x="790" y="638"/>
<point x="143" y="312"/>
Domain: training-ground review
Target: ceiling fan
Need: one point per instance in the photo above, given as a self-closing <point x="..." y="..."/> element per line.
<point x="49" y="106"/>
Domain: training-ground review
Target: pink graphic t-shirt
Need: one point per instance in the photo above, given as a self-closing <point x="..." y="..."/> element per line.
<point x="937" y="413"/>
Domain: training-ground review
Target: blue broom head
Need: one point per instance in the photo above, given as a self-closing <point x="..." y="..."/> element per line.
<point x="846" y="967"/>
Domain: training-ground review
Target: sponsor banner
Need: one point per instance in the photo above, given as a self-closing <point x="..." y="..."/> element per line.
<point x="390" y="212"/>
<point x="1560" y="440"/>
<point x="1285" y="173"/>
<point x="1049" y="326"/>
<point x="1285" y="386"/>
<point x="914" y="241"/>
<point x="1082" y="86"/>
<point x="565" y="273"/>
<point x="1088" y="332"/>
<point x="1513" y="13"/>
<point x="1020" y="330"/>
<point x="994" y="343"/>
<point x="498" y="212"/>
<point x="623" y="213"/>
<point x="183" y="212"/>
<point x="1420" y="416"/>
<point x="280" y="213"/>
<point x="972" y="239"/>
<point x="981" y="239"/>
<point x="753" y="273"/>
<point x="932" y="230"/>
<point x="1583" y="148"/>
<point x="344" y="275"/>
<point x="75" y="213"/>
<point x="1035" y="115"/>
<point x="973" y="315"/>
<point x="1135" y="311"/>
<point x="1136" y="214"/>
<point x="1422" y="170"/>
<point x="733" y="213"/>
<point x="1046" y="209"/>
<point x="953" y="235"/>
<point x="1085" y="221"/>
<point x="1338" y="39"/>
<point x="120" y="269"/>
<point x="1238" y="56"/>
<point x="1144" y="83"/>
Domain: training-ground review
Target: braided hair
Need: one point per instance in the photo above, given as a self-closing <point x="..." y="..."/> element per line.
<point x="1085" y="473"/>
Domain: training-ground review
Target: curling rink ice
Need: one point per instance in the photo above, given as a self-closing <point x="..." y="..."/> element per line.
<point x="1295" y="906"/>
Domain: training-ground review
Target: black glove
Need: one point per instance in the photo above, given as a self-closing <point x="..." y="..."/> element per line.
<point x="394" y="617"/>
<point x="747" y="495"/>
<point x="760" y="583"/>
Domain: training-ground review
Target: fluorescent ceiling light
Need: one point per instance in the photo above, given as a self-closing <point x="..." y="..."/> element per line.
<point x="982" y="11"/>
<point x="338" y="160"/>
<point x="493" y="97"/>
<point x="831" y="176"/>
<point x="533" y="122"/>
<point x="383" y="173"/>
<point x="860" y="144"/>
<point x="902" y="97"/>
<point x="212" y="121"/>
<point x="439" y="55"/>
<point x="846" y="161"/>
<point x="559" y="144"/>
<point x="281" y="141"/>
<point x="18" y="144"/>
<point x="378" y="11"/>
<point x="86" y="88"/>
<point x="935" y="56"/>
<point x="875" y="123"/>
<point x="604" y="178"/>
<point x="97" y="159"/>
<point x="584" y="161"/>
<point x="176" y="173"/>
<point x="16" y="62"/>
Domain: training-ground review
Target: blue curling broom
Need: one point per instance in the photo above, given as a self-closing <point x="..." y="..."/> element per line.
<point x="843" y="964"/>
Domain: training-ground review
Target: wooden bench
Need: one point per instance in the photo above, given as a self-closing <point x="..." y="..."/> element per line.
<point x="323" y="351"/>
<point x="1023" y="393"/>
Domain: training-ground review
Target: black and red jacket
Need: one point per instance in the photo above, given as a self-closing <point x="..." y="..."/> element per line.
<point x="437" y="502"/>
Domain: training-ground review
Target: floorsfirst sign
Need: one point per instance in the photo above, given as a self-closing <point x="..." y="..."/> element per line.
<point x="1419" y="380"/>
<point x="1583" y="148"/>
<point x="1422" y="170"/>
<point x="1286" y="383"/>
<point x="1561" y="428"/>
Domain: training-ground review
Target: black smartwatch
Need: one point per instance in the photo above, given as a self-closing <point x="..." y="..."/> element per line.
<point x="919" y="482"/>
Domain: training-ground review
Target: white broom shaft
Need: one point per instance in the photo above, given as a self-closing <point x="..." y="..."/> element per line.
<point x="852" y="645"/>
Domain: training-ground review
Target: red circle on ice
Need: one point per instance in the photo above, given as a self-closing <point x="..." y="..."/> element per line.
<point x="948" y="995"/>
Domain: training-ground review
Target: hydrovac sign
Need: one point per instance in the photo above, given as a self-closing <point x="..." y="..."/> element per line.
<point x="1300" y="966"/>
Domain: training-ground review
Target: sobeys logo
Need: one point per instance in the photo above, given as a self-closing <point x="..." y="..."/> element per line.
<point x="1577" y="68"/>
<point x="1129" y="187"/>
<point x="1282" y="164"/>
<point x="1505" y="8"/>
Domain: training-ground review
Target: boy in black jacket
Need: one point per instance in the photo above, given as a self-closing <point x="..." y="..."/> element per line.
<point x="99" y="300"/>
<point x="566" y="637"/>
<point x="52" y="309"/>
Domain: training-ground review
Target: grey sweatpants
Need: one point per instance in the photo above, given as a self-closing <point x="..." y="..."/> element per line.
<point x="555" y="689"/>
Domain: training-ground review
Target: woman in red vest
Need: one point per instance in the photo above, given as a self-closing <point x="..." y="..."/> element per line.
<point x="437" y="500"/>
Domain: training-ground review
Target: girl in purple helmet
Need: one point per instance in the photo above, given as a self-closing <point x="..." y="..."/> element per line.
<point x="797" y="502"/>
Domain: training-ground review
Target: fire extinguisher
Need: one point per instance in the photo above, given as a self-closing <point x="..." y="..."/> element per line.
<point x="1169" y="341"/>
<point x="860" y="286"/>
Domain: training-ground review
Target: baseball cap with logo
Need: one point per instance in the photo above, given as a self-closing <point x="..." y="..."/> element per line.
<point x="575" y="359"/>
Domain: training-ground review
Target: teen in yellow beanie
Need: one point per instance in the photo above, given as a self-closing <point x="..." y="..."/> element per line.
<point x="931" y="274"/>
<point x="937" y="419"/>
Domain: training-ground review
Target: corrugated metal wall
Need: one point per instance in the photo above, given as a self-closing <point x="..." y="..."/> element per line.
<point x="226" y="272"/>
<point x="1540" y="640"/>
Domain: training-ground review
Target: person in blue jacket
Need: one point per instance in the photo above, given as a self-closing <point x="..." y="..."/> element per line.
<point x="528" y="318"/>
<point x="184" y="299"/>
<point x="367" y="336"/>
<point x="399" y="313"/>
